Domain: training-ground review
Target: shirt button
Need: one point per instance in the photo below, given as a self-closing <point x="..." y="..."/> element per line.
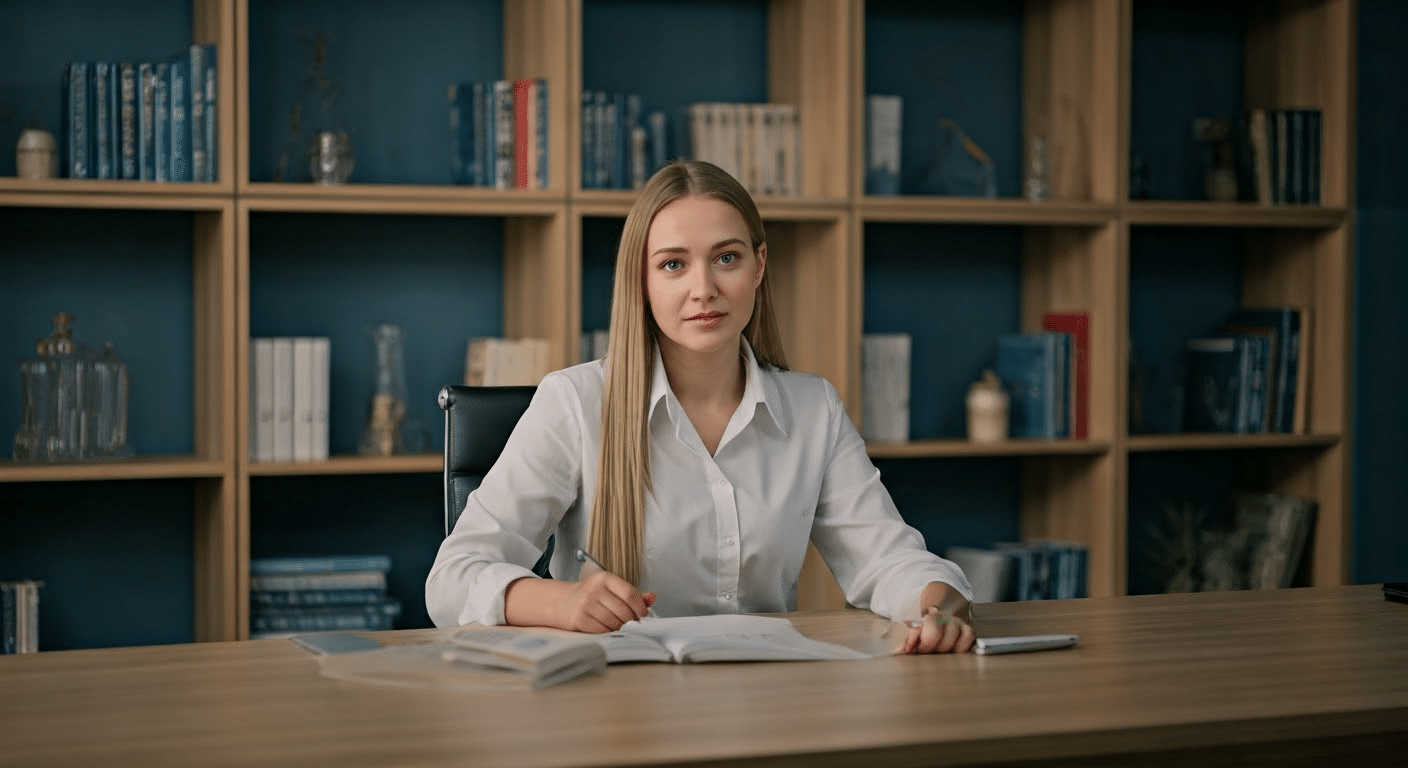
<point x="727" y="595"/>
<point x="729" y="541"/>
<point x="722" y="483"/>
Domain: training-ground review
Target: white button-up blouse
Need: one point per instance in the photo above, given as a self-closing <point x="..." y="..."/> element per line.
<point x="724" y="533"/>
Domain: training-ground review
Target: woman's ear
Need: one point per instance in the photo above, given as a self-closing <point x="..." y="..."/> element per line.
<point x="762" y="264"/>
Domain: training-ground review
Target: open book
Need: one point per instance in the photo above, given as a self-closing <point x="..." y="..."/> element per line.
<point x="727" y="637"/>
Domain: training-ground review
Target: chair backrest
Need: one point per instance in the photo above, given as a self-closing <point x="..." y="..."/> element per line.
<point x="478" y="422"/>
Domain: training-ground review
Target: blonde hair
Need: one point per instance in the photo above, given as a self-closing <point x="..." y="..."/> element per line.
<point x="617" y="532"/>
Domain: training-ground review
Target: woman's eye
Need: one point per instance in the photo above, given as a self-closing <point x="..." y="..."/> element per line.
<point x="727" y="258"/>
<point x="672" y="265"/>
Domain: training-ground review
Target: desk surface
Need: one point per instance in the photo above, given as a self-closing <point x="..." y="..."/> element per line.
<point x="1180" y="678"/>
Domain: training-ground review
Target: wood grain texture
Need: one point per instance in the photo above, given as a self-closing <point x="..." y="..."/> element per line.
<point x="1241" y="676"/>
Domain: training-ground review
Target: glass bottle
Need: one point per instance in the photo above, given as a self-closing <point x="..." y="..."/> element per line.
<point x="382" y="436"/>
<point x="110" y="400"/>
<point x="60" y="403"/>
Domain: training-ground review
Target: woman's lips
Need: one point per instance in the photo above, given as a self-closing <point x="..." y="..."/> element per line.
<point x="708" y="320"/>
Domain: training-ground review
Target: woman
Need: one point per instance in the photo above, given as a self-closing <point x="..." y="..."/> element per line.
<point x="690" y="462"/>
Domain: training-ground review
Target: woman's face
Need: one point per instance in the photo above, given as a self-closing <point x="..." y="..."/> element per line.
<point x="701" y="275"/>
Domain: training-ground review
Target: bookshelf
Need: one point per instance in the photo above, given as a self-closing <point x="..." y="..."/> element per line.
<point x="399" y="244"/>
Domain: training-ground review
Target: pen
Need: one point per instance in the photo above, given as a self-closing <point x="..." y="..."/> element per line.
<point x="583" y="556"/>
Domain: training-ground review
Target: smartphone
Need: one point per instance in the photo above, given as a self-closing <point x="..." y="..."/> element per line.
<point x="988" y="646"/>
<point x="1396" y="591"/>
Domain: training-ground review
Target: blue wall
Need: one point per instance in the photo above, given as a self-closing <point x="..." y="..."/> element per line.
<point x="1381" y="287"/>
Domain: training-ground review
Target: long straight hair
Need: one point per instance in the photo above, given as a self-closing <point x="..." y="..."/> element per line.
<point x="617" y="532"/>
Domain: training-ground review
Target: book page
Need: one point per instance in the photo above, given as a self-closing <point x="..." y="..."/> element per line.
<point x="736" y="637"/>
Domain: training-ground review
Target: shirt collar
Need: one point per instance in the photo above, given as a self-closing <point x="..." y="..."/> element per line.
<point x="760" y="388"/>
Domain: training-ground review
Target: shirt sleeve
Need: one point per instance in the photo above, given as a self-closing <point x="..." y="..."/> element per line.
<point x="880" y="561"/>
<point x="507" y="520"/>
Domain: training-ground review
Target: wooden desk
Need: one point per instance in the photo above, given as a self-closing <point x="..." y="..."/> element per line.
<point x="1284" y="677"/>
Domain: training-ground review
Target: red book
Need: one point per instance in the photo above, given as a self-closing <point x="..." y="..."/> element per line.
<point x="1078" y="325"/>
<point x="522" y="102"/>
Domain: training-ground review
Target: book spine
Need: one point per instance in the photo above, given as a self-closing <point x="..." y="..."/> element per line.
<point x="320" y="564"/>
<point x="146" y="122"/>
<point x="212" y="115"/>
<point x="284" y="582"/>
<point x="882" y="153"/>
<point x="180" y="89"/>
<point x="196" y="57"/>
<point x="303" y="382"/>
<point x="283" y="399"/>
<point x="9" y="620"/>
<point x="315" y="597"/>
<point x="522" y="133"/>
<point x="588" y="125"/>
<point x="78" y="141"/>
<point x="541" y="136"/>
<point x="503" y="134"/>
<point x="161" y="125"/>
<point x="322" y="355"/>
<point x="128" y="161"/>
<point x="103" y="154"/>
<point x="262" y="441"/>
<point x="483" y="95"/>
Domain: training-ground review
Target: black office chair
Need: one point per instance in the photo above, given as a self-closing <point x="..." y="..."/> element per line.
<point x="478" y="421"/>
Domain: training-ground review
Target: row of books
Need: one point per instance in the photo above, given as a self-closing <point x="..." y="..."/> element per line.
<point x="288" y="398"/>
<point x="320" y="593"/>
<point x="19" y="616"/>
<point x="147" y="121"/>
<point x="1248" y="376"/>
<point x="1036" y="569"/>
<point x="758" y="144"/>
<point x="499" y="133"/>
<point x="1046" y="375"/>
<point x="496" y="362"/>
<point x="1285" y="155"/>
<point x="622" y="145"/>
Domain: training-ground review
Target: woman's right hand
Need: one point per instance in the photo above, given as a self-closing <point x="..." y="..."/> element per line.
<point x="600" y="602"/>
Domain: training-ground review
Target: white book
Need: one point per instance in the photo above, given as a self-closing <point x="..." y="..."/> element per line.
<point x="885" y="387"/>
<point x="988" y="571"/>
<point x="322" y="363"/>
<point x="283" y="399"/>
<point x="303" y="398"/>
<point x="261" y="437"/>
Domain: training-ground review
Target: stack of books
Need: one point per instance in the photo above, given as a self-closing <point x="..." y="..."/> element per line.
<point x="319" y="593"/>
<point x="758" y="144"/>
<point x="1036" y="569"/>
<point x="495" y="362"/>
<point x="499" y="133"/>
<point x="1036" y="369"/>
<point x="144" y="121"/>
<point x="622" y="144"/>
<point x="288" y="400"/>
<point x="1248" y="375"/>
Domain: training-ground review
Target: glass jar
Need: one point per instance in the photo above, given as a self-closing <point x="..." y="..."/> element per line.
<point x="383" y="433"/>
<point x="110" y="401"/>
<point x="330" y="158"/>
<point x="60" y="402"/>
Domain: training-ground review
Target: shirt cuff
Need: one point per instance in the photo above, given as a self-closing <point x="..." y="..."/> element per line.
<point x="898" y="598"/>
<point x="486" y="598"/>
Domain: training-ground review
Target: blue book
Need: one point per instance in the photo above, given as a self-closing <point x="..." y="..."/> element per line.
<point x="161" y="125"/>
<point x="659" y="146"/>
<point x="1282" y="324"/>
<point x="78" y="140"/>
<point x="1255" y="350"/>
<point x="180" y="91"/>
<point x="199" y="56"/>
<point x="128" y="103"/>
<point x="1214" y="384"/>
<point x="104" y="108"/>
<point x="319" y="564"/>
<point x="588" y="120"/>
<point x="1031" y="371"/>
<point x="288" y="597"/>
<point x="146" y="122"/>
<point x="540" y="147"/>
<point x="211" y="125"/>
<point x="484" y="150"/>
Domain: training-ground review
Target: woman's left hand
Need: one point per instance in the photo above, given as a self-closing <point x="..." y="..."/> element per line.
<point x="938" y="632"/>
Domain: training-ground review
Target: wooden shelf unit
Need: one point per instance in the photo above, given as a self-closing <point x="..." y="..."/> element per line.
<point x="1075" y="254"/>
